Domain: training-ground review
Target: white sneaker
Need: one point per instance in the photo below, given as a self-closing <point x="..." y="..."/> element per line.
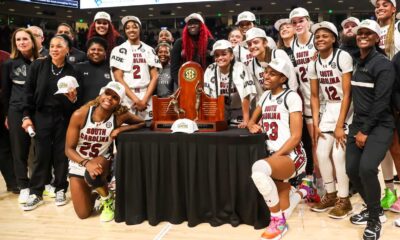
<point x="23" y="196"/>
<point x="49" y="191"/>
<point x="61" y="198"/>
<point x="397" y="222"/>
<point x="32" y="202"/>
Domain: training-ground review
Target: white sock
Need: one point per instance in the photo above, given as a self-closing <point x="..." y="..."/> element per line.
<point x="294" y="200"/>
<point x="303" y="192"/>
<point x="277" y="214"/>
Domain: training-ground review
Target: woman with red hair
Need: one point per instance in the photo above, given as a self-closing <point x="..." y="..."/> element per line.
<point x="103" y="27"/>
<point x="195" y="45"/>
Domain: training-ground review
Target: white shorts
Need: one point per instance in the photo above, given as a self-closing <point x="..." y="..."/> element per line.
<point x="147" y="114"/>
<point x="307" y="112"/>
<point x="330" y="116"/>
<point x="75" y="169"/>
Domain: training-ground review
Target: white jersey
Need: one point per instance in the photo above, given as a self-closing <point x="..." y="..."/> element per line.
<point x="242" y="54"/>
<point x="383" y="38"/>
<point x="94" y="140"/>
<point x="275" y="118"/>
<point x="303" y="55"/>
<point x="329" y="74"/>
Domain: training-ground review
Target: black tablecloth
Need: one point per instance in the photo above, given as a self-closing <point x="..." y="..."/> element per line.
<point x="200" y="177"/>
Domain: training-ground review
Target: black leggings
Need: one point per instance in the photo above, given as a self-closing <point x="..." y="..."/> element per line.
<point x="307" y="145"/>
<point x="362" y="164"/>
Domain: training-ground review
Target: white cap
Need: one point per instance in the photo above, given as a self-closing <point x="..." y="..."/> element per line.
<point x="279" y="23"/>
<point x="398" y="15"/>
<point x="66" y="84"/>
<point x="194" y="16"/>
<point x="370" y="24"/>
<point x="245" y="16"/>
<point x="325" y="24"/>
<point x="278" y="64"/>
<point x="392" y="1"/>
<point x="117" y="87"/>
<point x="102" y="15"/>
<point x="184" y="125"/>
<point x="255" y="33"/>
<point x="350" y="19"/>
<point x="221" y="45"/>
<point x="130" y="18"/>
<point x="298" y="12"/>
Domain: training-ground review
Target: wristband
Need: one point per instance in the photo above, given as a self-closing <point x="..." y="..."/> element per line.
<point x="83" y="162"/>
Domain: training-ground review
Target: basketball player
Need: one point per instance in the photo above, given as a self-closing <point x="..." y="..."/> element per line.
<point x="280" y="111"/>
<point x="89" y="148"/>
<point x="256" y="40"/>
<point x="331" y="72"/>
<point x="385" y="11"/>
<point x="304" y="51"/>
<point x="135" y="65"/>
<point x="231" y="79"/>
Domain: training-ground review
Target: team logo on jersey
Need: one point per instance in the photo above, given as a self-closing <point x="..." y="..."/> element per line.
<point x="279" y="100"/>
<point x="242" y="74"/>
<point x="190" y="74"/>
<point x="108" y="124"/>
<point x="142" y="50"/>
<point x="212" y="80"/>
<point x="85" y="73"/>
<point x="71" y="59"/>
<point x="107" y="75"/>
<point x="333" y="65"/>
<point x="123" y="50"/>
<point x="20" y="70"/>
<point x="310" y="46"/>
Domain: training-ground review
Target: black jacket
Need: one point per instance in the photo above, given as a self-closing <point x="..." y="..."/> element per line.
<point x="37" y="88"/>
<point x="372" y="84"/>
<point x="396" y="90"/>
<point x="14" y="74"/>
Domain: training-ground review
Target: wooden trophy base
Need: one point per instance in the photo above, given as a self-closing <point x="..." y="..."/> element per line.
<point x="204" y="126"/>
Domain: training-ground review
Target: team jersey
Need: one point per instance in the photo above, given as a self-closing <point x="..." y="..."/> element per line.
<point x="275" y="118"/>
<point x="135" y="61"/>
<point x="242" y="54"/>
<point x="94" y="140"/>
<point x="257" y="71"/>
<point x="383" y="38"/>
<point x="329" y="73"/>
<point x="303" y="55"/>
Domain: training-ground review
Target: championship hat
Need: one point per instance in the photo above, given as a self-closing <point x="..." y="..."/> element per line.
<point x="298" y="12"/>
<point x="350" y="19"/>
<point x="184" y="125"/>
<point x="102" y="15"/>
<point x="221" y="45"/>
<point x="255" y="33"/>
<point x="66" y="84"/>
<point x="392" y="1"/>
<point x="370" y="24"/>
<point x="195" y="16"/>
<point x="130" y="18"/>
<point x="245" y="16"/>
<point x="324" y="24"/>
<point x="278" y="64"/>
<point x="117" y="87"/>
<point x="280" y="22"/>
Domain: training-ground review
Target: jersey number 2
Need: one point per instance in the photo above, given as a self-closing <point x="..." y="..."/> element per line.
<point x="302" y="71"/>
<point x="136" y="72"/>
<point x="93" y="149"/>
<point x="273" y="127"/>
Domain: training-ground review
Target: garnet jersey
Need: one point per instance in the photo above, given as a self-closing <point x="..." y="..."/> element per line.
<point x="329" y="73"/>
<point x="303" y="55"/>
<point x="275" y="118"/>
<point x="135" y="61"/>
<point x="94" y="140"/>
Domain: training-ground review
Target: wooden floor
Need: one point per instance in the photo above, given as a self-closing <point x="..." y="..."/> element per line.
<point x="51" y="222"/>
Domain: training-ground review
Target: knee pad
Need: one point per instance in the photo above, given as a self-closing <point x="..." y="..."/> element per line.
<point x="262" y="166"/>
<point x="262" y="183"/>
<point x="95" y="183"/>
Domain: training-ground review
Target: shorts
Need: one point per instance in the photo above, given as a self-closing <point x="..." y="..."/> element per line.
<point x="146" y="114"/>
<point x="307" y="112"/>
<point x="76" y="170"/>
<point x="330" y="116"/>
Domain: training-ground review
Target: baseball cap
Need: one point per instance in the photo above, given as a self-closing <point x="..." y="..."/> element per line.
<point x="184" y="125"/>
<point x="130" y="18"/>
<point x="279" y="65"/>
<point x="298" y="12"/>
<point x="220" y="45"/>
<point x="102" y="15"/>
<point x="255" y="33"/>
<point x="398" y="15"/>
<point x="324" y="24"/>
<point x="117" y="87"/>
<point x="195" y="16"/>
<point x="245" y="16"/>
<point x="350" y="19"/>
<point x="66" y="84"/>
<point x="392" y="1"/>
<point x="370" y="24"/>
<point x="279" y="23"/>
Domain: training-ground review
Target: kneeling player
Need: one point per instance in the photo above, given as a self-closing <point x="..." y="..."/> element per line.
<point x="280" y="110"/>
<point x="89" y="147"/>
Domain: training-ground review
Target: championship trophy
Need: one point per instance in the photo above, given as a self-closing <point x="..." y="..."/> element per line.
<point x="189" y="101"/>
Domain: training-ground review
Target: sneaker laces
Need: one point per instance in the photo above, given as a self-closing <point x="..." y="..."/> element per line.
<point x="341" y="202"/>
<point x="60" y="194"/>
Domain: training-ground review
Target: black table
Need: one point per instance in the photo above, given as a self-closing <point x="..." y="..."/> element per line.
<point x="200" y="177"/>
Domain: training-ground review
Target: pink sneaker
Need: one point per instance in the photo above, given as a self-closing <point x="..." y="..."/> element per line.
<point x="396" y="206"/>
<point x="276" y="229"/>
